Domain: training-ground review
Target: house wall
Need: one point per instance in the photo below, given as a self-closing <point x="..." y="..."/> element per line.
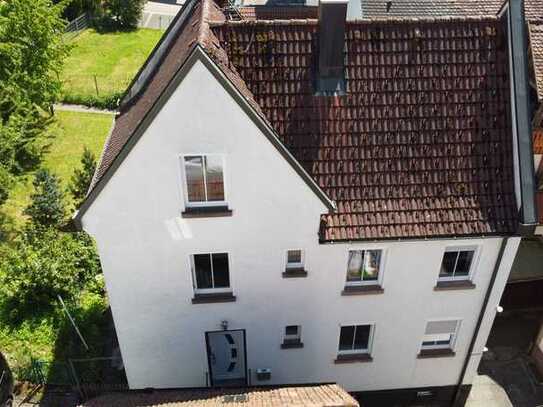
<point x="145" y="246"/>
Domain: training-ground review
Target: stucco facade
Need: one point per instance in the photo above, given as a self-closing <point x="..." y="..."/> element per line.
<point x="145" y="247"/>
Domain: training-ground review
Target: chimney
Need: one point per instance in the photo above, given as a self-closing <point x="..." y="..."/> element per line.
<point x="331" y="42"/>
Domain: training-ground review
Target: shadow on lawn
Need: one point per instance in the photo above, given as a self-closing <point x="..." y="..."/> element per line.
<point x="77" y="373"/>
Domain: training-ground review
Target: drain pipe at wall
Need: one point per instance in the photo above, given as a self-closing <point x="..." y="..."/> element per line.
<point x="489" y="290"/>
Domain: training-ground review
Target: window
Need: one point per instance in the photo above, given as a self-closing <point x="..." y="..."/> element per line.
<point x="205" y="181"/>
<point x="355" y="339"/>
<point x="292" y="333"/>
<point x="440" y="335"/>
<point x="363" y="267"/>
<point x="211" y="272"/>
<point x="456" y="264"/>
<point x="295" y="259"/>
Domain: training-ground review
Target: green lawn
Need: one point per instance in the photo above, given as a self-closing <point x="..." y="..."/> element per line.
<point x="72" y="131"/>
<point x="113" y="58"/>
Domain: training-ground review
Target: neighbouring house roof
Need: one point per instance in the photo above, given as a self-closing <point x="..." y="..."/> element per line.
<point x="328" y="395"/>
<point x="420" y="146"/>
<point x="278" y="12"/>
<point x="443" y="8"/>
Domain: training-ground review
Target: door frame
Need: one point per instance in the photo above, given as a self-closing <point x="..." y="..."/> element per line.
<point x="208" y="352"/>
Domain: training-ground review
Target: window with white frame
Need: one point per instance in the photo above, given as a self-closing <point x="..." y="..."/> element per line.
<point x="204" y="176"/>
<point x="293" y="333"/>
<point x="440" y="334"/>
<point x="211" y="272"/>
<point x="457" y="264"/>
<point x="356" y="339"/>
<point x="295" y="259"/>
<point x="364" y="267"/>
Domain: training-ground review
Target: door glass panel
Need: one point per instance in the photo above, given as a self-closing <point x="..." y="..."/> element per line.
<point x="202" y="266"/>
<point x="214" y="178"/>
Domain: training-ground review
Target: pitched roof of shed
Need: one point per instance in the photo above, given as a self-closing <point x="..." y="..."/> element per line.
<point x="419" y="147"/>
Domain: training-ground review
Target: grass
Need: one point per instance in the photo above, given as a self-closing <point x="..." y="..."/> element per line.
<point x="71" y="131"/>
<point x="112" y="58"/>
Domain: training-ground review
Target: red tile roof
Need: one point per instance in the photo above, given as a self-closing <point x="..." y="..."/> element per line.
<point x="325" y="395"/>
<point x="419" y="147"/>
<point x="421" y="144"/>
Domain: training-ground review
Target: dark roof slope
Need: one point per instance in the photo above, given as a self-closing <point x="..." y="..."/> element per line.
<point x="421" y="144"/>
<point x="443" y="8"/>
<point x="419" y="147"/>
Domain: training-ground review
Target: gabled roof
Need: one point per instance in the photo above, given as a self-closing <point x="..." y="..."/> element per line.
<point x="536" y="41"/>
<point x="419" y="147"/>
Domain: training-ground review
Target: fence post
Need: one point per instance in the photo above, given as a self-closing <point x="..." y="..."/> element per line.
<point x="76" y="379"/>
<point x="96" y="85"/>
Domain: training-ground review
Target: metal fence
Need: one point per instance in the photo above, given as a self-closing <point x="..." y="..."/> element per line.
<point x="95" y="84"/>
<point x="77" y="25"/>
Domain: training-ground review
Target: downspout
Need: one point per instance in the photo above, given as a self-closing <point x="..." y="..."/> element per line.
<point x="489" y="290"/>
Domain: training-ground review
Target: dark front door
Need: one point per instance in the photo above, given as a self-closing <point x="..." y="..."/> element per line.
<point x="226" y="358"/>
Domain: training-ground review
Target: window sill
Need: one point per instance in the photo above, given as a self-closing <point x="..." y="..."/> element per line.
<point x="454" y="285"/>
<point x="363" y="290"/>
<point x="294" y="273"/>
<point x="353" y="358"/>
<point x="296" y="344"/>
<point x="435" y="353"/>
<point x="213" y="298"/>
<point x="206" y="211"/>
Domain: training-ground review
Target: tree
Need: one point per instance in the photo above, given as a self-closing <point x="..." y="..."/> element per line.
<point x="121" y="14"/>
<point x="82" y="177"/>
<point x="47" y="205"/>
<point x="31" y="55"/>
<point x="43" y="263"/>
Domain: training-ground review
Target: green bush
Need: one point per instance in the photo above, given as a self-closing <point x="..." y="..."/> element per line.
<point x="119" y="15"/>
<point x="42" y="264"/>
<point x="110" y="102"/>
<point x="82" y="177"/>
<point x="47" y="207"/>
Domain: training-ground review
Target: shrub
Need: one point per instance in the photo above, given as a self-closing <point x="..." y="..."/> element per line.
<point x="42" y="264"/>
<point x="110" y="102"/>
<point x="47" y="206"/>
<point x="120" y="14"/>
<point x="82" y="177"/>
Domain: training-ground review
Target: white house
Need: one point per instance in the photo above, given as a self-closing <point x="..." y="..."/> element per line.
<point x="308" y="201"/>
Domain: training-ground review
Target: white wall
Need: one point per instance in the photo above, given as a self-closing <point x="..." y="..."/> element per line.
<point x="145" y="246"/>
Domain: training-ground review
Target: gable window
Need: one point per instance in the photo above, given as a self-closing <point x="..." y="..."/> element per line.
<point x="292" y="337"/>
<point x="439" y="337"/>
<point x="355" y="343"/>
<point x="204" y="180"/>
<point x="364" y="267"/>
<point x="456" y="264"/>
<point x="211" y="273"/>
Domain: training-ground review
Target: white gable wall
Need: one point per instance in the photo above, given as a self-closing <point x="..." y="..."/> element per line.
<point x="145" y="246"/>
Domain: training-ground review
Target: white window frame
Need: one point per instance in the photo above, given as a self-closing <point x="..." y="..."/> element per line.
<point x="361" y="351"/>
<point x="210" y="290"/>
<point x="292" y="338"/>
<point x="200" y="204"/>
<point x="379" y="280"/>
<point x="474" y="260"/>
<point x="453" y="335"/>
<point x="295" y="265"/>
